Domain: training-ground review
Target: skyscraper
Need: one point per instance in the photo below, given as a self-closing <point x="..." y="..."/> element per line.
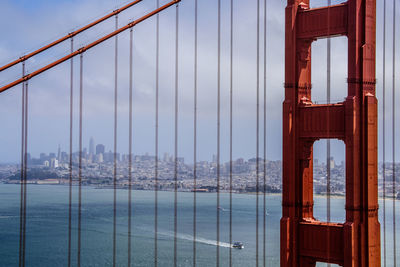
<point x="59" y="153"/>
<point x="100" y="149"/>
<point x="91" y="146"/>
<point x="215" y="159"/>
<point x="166" y="157"/>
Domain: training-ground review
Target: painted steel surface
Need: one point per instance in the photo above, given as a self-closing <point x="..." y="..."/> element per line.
<point x="304" y="240"/>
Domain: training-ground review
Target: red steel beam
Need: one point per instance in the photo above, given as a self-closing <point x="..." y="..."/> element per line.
<point x="324" y="241"/>
<point x="313" y="23"/>
<point x="70" y="35"/>
<point x="89" y="46"/>
<point x="322" y="121"/>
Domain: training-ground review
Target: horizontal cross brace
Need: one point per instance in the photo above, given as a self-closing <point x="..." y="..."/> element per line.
<point x="322" y="241"/>
<point x="322" y="22"/>
<point x="322" y="121"/>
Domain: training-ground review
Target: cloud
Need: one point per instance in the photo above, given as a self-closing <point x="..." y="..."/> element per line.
<point x="49" y="93"/>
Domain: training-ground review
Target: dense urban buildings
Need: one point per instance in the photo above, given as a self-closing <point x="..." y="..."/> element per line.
<point x="98" y="171"/>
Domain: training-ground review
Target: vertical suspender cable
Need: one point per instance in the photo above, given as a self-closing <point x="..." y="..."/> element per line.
<point x="80" y="159"/>
<point x="130" y="149"/>
<point x="231" y="135"/>
<point x="115" y="146"/>
<point x="22" y="166"/>
<point x="328" y="141"/>
<point x="265" y="135"/>
<point x="258" y="131"/>
<point x="384" y="132"/>
<point x="25" y="174"/>
<point x="156" y="138"/>
<point x="71" y="105"/>
<point x="393" y="133"/>
<point x="176" y="137"/>
<point x="218" y="128"/>
<point x="195" y="135"/>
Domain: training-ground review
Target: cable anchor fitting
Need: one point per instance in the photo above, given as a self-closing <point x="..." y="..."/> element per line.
<point x="81" y="50"/>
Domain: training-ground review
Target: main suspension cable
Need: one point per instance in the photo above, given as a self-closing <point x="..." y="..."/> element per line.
<point x="218" y="129"/>
<point x="130" y="149"/>
<point x="195" y="134"/>
<point x="80" y="160"/>
<point x="71" y="105"/>
<point x="176" y="136"/>
<point x="115" y="146"/>
<point x="88" y="47"/>
<point x="69" y="35"/>
<point x="156" y="138"/>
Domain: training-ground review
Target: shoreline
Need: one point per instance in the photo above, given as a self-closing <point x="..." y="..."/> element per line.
<point x="333" y="196"/>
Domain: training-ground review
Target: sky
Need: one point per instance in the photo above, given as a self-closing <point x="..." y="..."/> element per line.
<point x="32" y="24"/>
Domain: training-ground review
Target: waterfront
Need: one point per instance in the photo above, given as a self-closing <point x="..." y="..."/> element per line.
<point x="47" y="226"/>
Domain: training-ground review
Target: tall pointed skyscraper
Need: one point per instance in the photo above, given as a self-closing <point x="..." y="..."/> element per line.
<point x="91" y="146"/>
<point x="59" y="153"/>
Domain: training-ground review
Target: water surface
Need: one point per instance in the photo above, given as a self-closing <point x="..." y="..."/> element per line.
<point x="47" y="227"/>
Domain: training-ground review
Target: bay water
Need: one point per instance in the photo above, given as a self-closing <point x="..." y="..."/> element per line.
<point x="47" y="227"/>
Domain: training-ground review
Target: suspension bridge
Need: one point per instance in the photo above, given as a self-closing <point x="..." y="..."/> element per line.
<point x="361" y="239"/>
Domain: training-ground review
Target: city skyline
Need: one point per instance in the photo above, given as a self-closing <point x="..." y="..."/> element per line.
<point x="101" y="147"/>
<point x="98" y="148"/>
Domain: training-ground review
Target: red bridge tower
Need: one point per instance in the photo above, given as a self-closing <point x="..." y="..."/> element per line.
<point x="304" y="240"/>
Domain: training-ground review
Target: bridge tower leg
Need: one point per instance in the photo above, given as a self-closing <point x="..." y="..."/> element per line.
<point x="304" y="240"/>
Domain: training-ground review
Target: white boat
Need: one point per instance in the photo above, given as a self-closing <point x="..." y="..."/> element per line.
<point x="238" y="245"/>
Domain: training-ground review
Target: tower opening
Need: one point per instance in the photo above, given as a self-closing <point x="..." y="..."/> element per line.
<point x="323" y="3"/>
<point x="338" y="70"/>
<point x="337" y="189"/>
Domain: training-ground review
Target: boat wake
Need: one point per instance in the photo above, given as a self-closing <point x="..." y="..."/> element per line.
<point x="198" y="239"/>
<point x="6" y="217"/>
